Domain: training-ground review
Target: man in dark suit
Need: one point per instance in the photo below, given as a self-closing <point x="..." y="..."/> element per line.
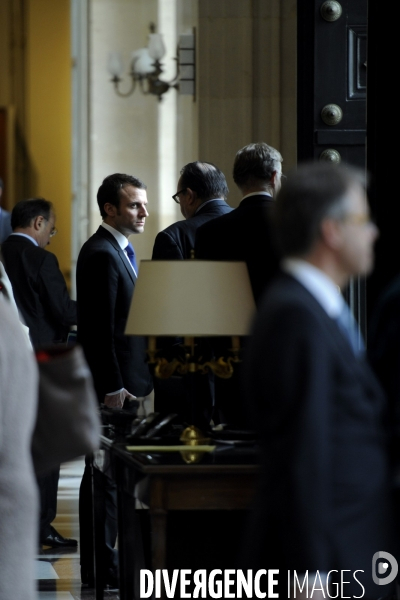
<point x="105" y="283"/>
<point x="244" y="234"/>
<point x="38" y="284"/>
<point x="5" y="218"/>
<point x="43" y="300"/>
<point x="323" y="501"/>
<point x="201" y="194"/>
<point x="106" y="276"/>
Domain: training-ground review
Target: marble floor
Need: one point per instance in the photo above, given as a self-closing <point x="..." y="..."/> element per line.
<point x="58" y="570"/>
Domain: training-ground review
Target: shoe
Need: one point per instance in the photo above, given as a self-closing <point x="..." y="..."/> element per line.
<point x="112" y="582"/>
<point x="56" y="540"/>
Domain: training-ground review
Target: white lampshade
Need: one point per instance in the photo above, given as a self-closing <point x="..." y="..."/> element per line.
<point x="156" y="46"/>
<point x="142" y="63"/>
<point x="114" y="65"/>
<point x="191" y="298"/>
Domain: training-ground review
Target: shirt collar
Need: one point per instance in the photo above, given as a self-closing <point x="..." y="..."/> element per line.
<point x="121" y="239"/>
<point x="324" y="290"/>
<point x="28" y="237"/>
<point x="257" y="194"/>
<point x="207" y="202"/>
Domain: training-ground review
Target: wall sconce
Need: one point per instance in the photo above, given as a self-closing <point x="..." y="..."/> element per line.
<point x="146" y="67"/>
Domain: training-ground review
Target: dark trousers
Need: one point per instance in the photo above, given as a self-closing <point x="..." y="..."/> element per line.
<point x="48" y="487"/>
<point x="97" y="524"/>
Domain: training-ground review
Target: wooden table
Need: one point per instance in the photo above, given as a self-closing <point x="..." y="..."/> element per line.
<point x="224" y="480"/>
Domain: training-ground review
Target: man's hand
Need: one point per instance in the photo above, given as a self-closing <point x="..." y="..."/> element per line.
<point x="117" y="400"/>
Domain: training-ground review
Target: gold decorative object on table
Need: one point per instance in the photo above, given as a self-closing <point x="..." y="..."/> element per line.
<point x="194" y="437"/>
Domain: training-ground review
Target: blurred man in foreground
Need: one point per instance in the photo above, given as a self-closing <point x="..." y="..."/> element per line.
<point x="323" y="502"/>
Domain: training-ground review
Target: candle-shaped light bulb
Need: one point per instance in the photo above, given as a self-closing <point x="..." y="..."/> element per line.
<point x="115" y="67"/>
<point x="141" y="63"/>
<point x="156" y="46"/>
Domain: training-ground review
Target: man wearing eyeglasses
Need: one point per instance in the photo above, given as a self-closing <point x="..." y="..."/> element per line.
<point x="38" y="284"/>
<point x="201" y="194"/>
<point x="42" y="297"/>
<point x="323" y="503"/>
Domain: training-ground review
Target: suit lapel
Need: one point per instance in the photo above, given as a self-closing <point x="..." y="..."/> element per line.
<point x="102" y="231"/>
<point x="359" y="365"/>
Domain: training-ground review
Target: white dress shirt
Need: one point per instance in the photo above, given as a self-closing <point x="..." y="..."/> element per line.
<point x="28" y="237"/>
<point x="122" y="242"/>
<point x="324" y="290"/>
<point x="257" y="194"/>
<point x="121" y="239"/>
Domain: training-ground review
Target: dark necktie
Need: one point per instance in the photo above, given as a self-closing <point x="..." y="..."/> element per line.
<point x="348" y="326"/>
<point x="131" y="255"/>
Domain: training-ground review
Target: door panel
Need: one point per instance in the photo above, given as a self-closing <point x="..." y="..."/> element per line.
<point x="332" y="80"/>
<point x="332" y="77"/>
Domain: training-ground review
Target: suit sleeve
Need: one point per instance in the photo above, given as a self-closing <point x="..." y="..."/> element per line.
<point x="54" y="294"/>
<point x="292" y="387"/>
<point x="97" y="286"/>
<point x="165" y="248"/>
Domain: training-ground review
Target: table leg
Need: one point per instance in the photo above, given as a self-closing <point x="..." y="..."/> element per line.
<point x="158" y="538"/>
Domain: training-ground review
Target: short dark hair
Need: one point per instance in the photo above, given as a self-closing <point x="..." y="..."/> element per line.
<point x="26" y="210"/>
<point x="205" y="179"/>
<point x="110" y="189"/>
<point x="255" y="162"/>
<point x="312" y="193"/>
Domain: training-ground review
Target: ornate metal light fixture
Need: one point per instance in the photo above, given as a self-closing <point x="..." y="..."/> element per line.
<point x="146" y="67"/>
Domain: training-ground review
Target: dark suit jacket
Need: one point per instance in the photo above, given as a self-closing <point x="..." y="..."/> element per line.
<point x="384" y="355"/>
<point x="105" y="284"/>
<point x="171" y="395"/>
<point x="244" y="234"/>
<point x="39" y="290"/>
<point x="323" y="501"/>
<point x="5" y="225"/>
<point x="177" y="241"/>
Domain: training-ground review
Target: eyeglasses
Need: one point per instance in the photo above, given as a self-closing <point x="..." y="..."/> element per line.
<point x="175" y="197"/>
<point x="358" y="219"/>
<point x="54" y="231"/>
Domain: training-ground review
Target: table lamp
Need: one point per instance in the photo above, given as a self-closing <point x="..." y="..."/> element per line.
<point x="191" y="299"/>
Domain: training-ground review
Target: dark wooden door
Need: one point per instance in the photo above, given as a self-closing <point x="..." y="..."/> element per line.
<point x="331" y="95"/>
<point x="332" y="55"/>
<point x="382" y="140"/>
